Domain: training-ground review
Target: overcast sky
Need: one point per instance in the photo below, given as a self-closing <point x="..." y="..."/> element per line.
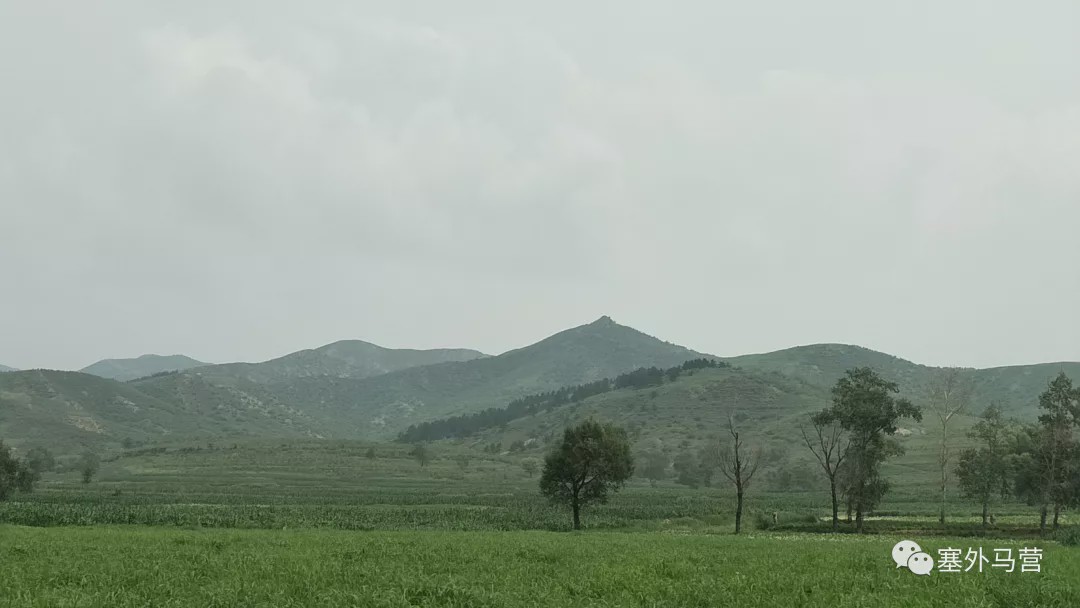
<point x="238" y="180"/>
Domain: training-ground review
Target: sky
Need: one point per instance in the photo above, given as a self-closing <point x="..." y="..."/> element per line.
<point x="239" y="180"/>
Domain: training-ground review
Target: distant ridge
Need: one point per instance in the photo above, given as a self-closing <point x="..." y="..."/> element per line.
<point x="145" y="365"/>
<point x="4" y="368"/>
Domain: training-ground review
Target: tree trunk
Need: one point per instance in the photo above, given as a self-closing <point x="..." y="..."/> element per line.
<point x="1042" y="521"/>
<point x="859" y="519"/>
<point x="738" y="511"/>
<point x="1057" y="514"/>
<point x="835" y="506"/>
<point x="577" y="515"/>
<point x="849" y="511"/>
<point x="944" y="460"/>
<point x="986" y="513"/>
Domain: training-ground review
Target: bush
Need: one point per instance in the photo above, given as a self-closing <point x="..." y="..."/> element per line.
<point x="1070" y="537"/>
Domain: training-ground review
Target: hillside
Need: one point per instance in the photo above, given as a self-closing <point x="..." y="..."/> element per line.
<point x="67" y="411"/>
<point x="4" y="368"/>
<point x="146" y="365"/>
<point x="681" y="417"/>
<point x="381" y="406"/>
<point x="1015" y="388"/>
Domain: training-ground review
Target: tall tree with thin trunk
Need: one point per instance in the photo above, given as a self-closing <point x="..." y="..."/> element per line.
<point x="864" y="405"/>
<point x="1058" y="447"/>
<point x="828" y="443"/>
<point x="949" y="394"/>
<point x="983" y="472"/>
<point x="738" y="463"/>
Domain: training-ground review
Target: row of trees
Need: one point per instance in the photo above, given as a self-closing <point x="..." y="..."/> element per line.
<point x="469" y="424"/>
<point x="1037" y="463"/>
<point x="22" y="474"/>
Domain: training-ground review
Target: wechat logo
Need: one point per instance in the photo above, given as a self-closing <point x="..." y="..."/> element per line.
<point x="908" y="554"/>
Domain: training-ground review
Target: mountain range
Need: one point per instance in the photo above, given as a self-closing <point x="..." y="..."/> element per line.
<point x="4" y="368"/>
<point x="354" y="389"/>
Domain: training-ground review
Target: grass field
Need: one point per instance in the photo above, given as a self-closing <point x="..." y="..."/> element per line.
<point x="136" y="566"/>
<point x="322" y="524"/>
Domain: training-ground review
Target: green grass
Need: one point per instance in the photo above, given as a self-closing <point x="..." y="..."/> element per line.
<point x="118" y="567"/>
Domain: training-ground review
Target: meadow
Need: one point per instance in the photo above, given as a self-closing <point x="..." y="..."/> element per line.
<point x="118" y="567"/>
<point x="333" y="524"/>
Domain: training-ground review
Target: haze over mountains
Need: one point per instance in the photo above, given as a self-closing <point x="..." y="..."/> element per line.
<point x="4" y="368"/>
<point x="145" y="365"/>
<point x="354" y="389"/>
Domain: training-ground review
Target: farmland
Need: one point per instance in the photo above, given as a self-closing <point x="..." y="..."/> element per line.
<point x="320" y="523"/>
<point x="135" y="566"/>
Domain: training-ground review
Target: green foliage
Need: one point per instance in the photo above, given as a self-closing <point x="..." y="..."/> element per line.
<point x="422" y="453"/>
<point x="40" y="460"/>
<point x="330" y="569"/>
<point x="88" y="466"/>
<point x="863" y="405"/>
<point x="592" y="461"/>
<point x="15" y="474"/>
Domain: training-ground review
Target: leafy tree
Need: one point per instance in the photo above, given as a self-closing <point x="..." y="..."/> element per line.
<point x="949" y="394"/>
<point x="40" y="460"/>
<point x="864" y="405"/>
<point x="370" y="453"/>
<point x="530" y="466"/>
<point x="421" y="453"/>
<point x="463" y="461"/>
<point x="983" y="472"/>
<point x="654" y="464"/>
<point x="88" y="466"/>
<point x="1045" y="477"/>
<point x="15" y="474"/>
<point x="591" y="461"/>
<point x="738" y="463"/>
<point x="829" y="443"/>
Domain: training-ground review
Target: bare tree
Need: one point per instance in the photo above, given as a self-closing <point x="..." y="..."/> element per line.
<point x="949" y="394"/>
<point x="738" y="466"/>
<point x="829" y="445"/>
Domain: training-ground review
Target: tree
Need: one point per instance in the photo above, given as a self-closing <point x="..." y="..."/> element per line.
<point x="88" y="466"/>
<point x="591" y="461"/>
<point x="421" y="453"/>
<point x="654" y="464"/>
<point x="370" y="453"/>
<point x="1054" y="452"/>
<point x="463" y="461"/>
<point x="948" y="396"/>
<point x="40" y="460"/>
<point x="829" y="444"/>
<point x="15" y="474"/>
<point x="530" y="466"/>
<point x="738" y="463"/>
<point x="983" y="472"/>
<point x="864" y="405"/>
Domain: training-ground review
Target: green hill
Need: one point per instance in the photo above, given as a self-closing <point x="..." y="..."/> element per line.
<point x="381" y="406"/>
<point x="1015" y="388"/>
<point x="4" y="368"/>
<point x="146" y="365"/>
<point x="67" y="411"/>
<point x="344" y="359"/>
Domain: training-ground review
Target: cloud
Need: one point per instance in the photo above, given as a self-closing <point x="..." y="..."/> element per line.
<point x="221" y="166"/>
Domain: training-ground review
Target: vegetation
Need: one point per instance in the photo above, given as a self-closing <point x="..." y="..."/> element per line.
<point x="738" y="464"/>
<point x="15" y="475"/>
<point x="864" y="406"/>
<point x="496" y="569"/>
<point x="592" y="461"/>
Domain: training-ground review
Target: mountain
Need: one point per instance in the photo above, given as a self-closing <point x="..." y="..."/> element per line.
<point x="1015" y="388"/>
<point x="691" y="412"/>
<point x="66" y="411"/>
<point x="344" y="359"/>
<point x="4" y="368"/>
<point x="380" y="406"/>
<point x="146" y="365"/>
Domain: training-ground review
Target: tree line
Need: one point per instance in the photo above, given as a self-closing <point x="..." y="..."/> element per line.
<point x="22" y="474"/>
<point x="469" y="424"/>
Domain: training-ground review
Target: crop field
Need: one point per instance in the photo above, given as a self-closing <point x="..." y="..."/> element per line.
<point x="331" y="525"/>
<point x="119" y="567"/>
